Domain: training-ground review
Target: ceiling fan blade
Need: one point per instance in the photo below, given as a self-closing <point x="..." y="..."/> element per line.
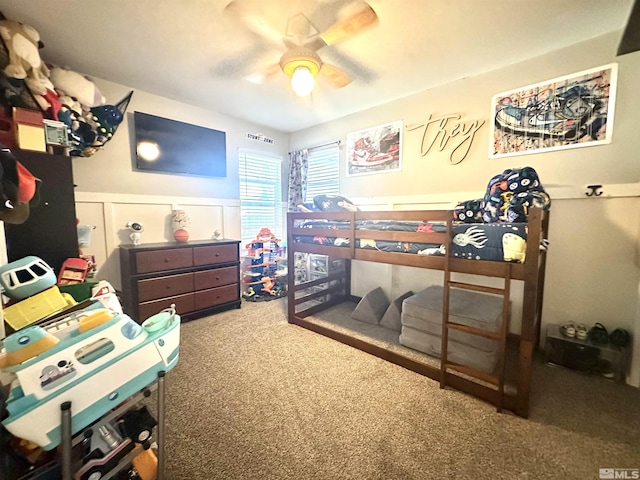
<point x="337" y="77"/>
<point x="352" y="20"/>
<point x="253" y="20"/>
<point x="266" y="74"/>
<point x="348" y="63"/>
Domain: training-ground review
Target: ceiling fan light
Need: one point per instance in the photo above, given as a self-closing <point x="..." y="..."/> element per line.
<point x="302" y="81"/>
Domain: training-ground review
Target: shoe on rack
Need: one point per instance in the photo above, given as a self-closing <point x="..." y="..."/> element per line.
<point x="568" y="330"/>
<point x="581" y="331"/>
<point x="598" y="334"/>
<point x="605" y="368"/>
<point x="619" y="337"/>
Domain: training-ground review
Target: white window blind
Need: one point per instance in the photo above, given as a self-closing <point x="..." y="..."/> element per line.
<point x="260" y="194"/>
<point x="323" y="174"/>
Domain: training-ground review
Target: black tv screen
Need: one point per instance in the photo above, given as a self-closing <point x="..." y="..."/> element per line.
<point x="169" y="146"/>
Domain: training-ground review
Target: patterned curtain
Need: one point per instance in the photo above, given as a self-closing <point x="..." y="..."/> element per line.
<point x="298" y="163"/>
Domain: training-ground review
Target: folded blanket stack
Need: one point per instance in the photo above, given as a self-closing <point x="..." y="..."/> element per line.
<point x="508" y="197"/>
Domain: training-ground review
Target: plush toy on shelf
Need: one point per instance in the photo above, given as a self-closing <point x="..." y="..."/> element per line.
<point x="73" y="84"/>
<point x="22" y="42"/>
<point x="24" y="63"/>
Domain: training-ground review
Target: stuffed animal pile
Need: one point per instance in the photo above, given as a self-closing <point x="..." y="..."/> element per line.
<point x="61" y="94"/>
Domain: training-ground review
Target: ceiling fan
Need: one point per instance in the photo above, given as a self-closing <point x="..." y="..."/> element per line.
<point x="302" y="40"/>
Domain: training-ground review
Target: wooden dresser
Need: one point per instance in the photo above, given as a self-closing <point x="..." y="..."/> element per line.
<point x="199" y="277"/>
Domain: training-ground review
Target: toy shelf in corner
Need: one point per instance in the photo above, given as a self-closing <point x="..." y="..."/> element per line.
<point x="264" y="268"/>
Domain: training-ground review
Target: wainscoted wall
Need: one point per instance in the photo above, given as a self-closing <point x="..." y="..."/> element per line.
<point x="593" y="272"/>
<point x="601" y="289"/>
<point x="110" y="213"/>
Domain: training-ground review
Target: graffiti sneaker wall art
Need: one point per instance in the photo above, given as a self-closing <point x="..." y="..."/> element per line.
<point x="571" y="111"/>
<point x="375" y="150"/>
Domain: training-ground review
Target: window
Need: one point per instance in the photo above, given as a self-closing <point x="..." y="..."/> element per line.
<point x="323" y="178"/>
<point x="260" y="194"/>
<point x="323" y="173"/>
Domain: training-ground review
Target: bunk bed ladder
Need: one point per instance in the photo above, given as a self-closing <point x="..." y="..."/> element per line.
<point x="497" y="377"/>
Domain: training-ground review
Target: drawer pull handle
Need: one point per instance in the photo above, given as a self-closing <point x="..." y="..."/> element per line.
<point x="217" y="254"/>
<point x="166" y="260"/>
<point x="217" y="278"/>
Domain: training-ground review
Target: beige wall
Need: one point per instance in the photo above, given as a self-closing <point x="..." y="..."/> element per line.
<point x="110" y="193"/>
<point x="605" y="164"/>
<point x="592" y="272"/>
<point x="110" y="170"/>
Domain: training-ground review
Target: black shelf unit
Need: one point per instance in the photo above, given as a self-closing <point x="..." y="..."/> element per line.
<point x="50" y="232"/>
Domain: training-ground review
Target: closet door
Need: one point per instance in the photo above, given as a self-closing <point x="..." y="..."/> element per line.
<point x="50" y="232"/>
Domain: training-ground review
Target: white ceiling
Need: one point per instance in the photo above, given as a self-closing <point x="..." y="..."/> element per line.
<point x="192" y="52"/>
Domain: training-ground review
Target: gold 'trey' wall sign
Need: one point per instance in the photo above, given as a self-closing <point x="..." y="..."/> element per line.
<point x="448" y="131"/>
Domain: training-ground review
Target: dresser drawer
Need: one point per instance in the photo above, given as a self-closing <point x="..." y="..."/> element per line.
<point x="156" y="261"/>
<point x="215" y="277"/>
<point x="184" y="304"/>
<point x="215" y="254"/>
<point x="216" y="296"/>
<point x="155" y="275"/>
<point x="161" y="287"/>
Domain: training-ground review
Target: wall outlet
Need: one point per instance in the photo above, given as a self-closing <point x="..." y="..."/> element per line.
<point x="395" y="282"/>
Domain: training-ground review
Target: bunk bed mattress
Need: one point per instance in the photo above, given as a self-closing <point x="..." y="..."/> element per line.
<point x="503" y="242"/>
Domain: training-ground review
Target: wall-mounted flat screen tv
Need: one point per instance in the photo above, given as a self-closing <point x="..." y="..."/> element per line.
<point x="169" y="146"/>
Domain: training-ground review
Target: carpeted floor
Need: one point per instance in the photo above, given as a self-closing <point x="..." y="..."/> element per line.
<point x="254" y="397"/>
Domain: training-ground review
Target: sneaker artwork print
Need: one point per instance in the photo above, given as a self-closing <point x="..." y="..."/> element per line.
<point x="375" y="149"/>
<point x="572" y="111"/>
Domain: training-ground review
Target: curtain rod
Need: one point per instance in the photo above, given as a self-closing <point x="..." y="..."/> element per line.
<point x="325" y="144"/>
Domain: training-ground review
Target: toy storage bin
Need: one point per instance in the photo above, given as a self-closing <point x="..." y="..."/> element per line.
<point x="34" y="308"/>
<point x="84" y="235"/>
<point x="79" y="291"/>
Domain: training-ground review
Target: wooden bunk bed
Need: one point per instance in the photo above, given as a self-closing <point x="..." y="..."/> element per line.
<point x="318" y="228"/>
